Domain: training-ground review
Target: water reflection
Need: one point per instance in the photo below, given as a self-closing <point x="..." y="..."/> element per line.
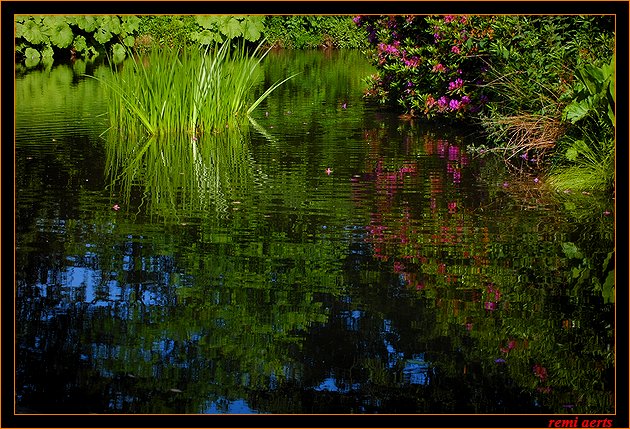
<point x="328" y="260"/>
<point x="180" y="177"/>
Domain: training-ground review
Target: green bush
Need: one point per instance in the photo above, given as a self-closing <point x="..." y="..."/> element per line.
<point x="40" y="38"/>
<point x="312" y="31"/>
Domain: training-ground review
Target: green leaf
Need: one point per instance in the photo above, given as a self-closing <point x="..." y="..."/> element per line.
<point x="47" y="53"/>
<point x="206" y="37"/>
<point x="608" y="288"/>
<point x="102" y="36"/>
<point x="119" y="52"/>
<point x="61" y="34"/>
<point x="79" y="43"/>
<point x="129" y="41"/>
<point x="571" y="250"/>
<point x="87" y="23"/>
<point x="31" y="53"/>
<point x="576" y="111"/>
<point x="32" y="32"/>
<point x="110" y="24"/>
<point x="253" y="29"/>
<point x="207" y="22"/>
<point x="571" y="154"/>
<point x="130" y="24"/>
<point x="232" y="29"/>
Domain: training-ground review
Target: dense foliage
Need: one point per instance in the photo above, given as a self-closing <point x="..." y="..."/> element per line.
<point x="532" y="82"/>
<point x="40" y="38"/>
<point x="318" y="31"/>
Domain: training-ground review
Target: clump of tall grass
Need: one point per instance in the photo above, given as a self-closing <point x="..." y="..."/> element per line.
<point x="592" y="166"/>
<point x="193" y="91"/>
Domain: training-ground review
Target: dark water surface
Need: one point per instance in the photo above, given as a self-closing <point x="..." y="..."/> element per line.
<point x="329" y="258"/>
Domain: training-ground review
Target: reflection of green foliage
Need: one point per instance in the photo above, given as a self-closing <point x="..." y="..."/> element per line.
<point x="493" y="286"/>
<point x="180" y="176"/>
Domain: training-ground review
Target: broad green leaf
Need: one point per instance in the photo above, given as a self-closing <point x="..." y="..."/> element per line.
<point x="576" y="110"/>
<point x="232" y="29"/>
<point x="87" y="23"/>
<point x="61" y="35"/>
<point x="206" y="37"/>
<point x="102" y="36"/>
<point x="110" y="24"/>
<point x="207" y="22"/>
<point x="31" y="53"/>
<point x="130" y="24"/>
<point x="253" y="29"/>
<point x="32" y="32"/>
<point x="129" y="41"/>
<point x="79" y="43"/>
<point x="47" y="53"/>
<point x="572" y="154"/>
<point x="119" y="52"/>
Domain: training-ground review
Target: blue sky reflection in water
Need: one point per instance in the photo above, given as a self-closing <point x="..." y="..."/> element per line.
<point x="328" y="258"/>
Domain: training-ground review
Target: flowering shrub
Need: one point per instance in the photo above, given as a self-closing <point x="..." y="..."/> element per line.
<point x="429" y="66"/>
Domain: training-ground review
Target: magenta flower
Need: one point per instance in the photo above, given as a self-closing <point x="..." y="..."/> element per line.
<point x="455" y="49"/>
<point x="442" y="102"/>
<point x="454" y="104"/>
<point x="465" y="99"/>
<point x="456" y="84"/>
<point x="449" y="18"/>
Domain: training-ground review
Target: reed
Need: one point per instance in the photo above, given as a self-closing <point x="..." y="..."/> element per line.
<point x="195" y="91"/>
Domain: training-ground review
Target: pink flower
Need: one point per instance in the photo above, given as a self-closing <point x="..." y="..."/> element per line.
<point x="455" y="49"/>
<point x="454" y="104"/>
<point x="439" y="68"/>
<point x="442" y="102"/>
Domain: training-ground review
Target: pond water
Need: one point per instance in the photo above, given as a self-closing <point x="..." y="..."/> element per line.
<point x="329" y="257"/>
